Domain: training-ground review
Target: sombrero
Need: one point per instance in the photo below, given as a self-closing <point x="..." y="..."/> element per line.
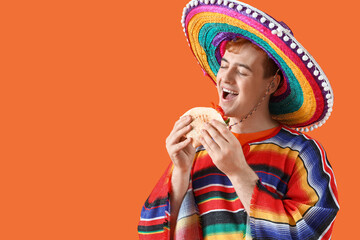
<point x="304" y="101"/>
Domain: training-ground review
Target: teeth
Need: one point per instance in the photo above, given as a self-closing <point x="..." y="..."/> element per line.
<point x="229" y="91"/>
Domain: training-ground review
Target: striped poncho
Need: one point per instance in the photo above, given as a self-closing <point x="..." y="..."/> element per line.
<point x="295" y="198"/>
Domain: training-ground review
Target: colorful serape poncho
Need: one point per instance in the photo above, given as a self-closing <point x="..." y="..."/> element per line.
<point x="295" y="198"/>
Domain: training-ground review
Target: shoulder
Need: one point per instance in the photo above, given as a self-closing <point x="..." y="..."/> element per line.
<point x="295" y="140"/>
<point x="307" y="148"/>
<point x="311" y="154"/>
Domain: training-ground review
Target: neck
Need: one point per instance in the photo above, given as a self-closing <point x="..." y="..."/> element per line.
<point x="260" y="120"/>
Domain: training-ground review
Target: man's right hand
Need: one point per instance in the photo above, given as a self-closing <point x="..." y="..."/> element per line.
<point x="182" y="154"/>
<point x="178" y="147"/>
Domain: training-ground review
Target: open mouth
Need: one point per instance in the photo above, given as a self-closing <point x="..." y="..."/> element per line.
<point x="228" y="94"/>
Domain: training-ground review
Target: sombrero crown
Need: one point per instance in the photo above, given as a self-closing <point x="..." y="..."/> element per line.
<point x="304" y="100"/>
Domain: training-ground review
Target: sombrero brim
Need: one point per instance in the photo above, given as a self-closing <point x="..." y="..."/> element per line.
<point x="305" y="99"/>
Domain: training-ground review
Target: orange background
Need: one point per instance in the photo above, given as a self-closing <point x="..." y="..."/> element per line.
<point x="91" y="89"/>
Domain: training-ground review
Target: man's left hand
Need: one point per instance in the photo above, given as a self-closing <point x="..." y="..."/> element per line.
<point x="223" y="147"/>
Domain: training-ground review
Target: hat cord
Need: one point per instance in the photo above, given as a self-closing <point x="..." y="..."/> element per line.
<point x="257" y="105"/>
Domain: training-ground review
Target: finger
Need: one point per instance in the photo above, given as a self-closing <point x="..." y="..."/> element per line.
<point x="179" y="124"/>
<point x="176" y="135"/>
<point x="212" y="145"/>
<point x="205" y="145"/>
<point x="183" y="121"/>
<point x="208" y="148"/>
<point x="223" y="130"/>
<point x="181" y="145"/>
<point x="216" y="135"/>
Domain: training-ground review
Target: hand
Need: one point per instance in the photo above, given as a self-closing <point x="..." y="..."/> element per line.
<point x="224" y="148"/>
<point x="226" y="152"/>
<point x="178" y="147"/>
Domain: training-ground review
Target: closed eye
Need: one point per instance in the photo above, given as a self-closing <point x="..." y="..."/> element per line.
<point x="241" y="73"/>
<point x="223" y="66"/>
<point x="224" y="63"/>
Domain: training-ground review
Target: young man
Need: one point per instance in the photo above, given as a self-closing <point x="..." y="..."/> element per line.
<point x="261" y="179"/>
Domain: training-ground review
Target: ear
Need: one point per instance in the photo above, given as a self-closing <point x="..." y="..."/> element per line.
<point x="275" y="84"/>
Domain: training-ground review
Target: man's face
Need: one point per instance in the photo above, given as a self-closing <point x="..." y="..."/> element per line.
<point x="240" y="81"/>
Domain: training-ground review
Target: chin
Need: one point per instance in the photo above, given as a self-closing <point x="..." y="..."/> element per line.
<point x="228" y="111"/>
<point x="233" y="113"/>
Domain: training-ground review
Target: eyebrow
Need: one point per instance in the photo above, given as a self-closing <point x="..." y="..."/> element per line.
<point x="239" y="64"/>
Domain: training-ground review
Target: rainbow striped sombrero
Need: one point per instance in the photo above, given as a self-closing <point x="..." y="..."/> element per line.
<point x="305" y="99"/>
